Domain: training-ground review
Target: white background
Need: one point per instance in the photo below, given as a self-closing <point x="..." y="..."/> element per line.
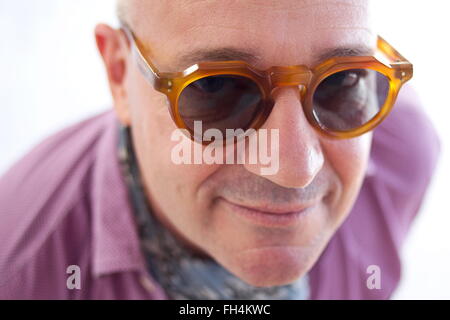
<point x="51" y="76"/>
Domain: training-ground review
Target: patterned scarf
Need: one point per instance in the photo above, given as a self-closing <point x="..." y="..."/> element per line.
<point x="180" y="273"/>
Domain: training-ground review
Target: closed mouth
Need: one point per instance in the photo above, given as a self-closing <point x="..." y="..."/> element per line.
<point x="269" y="215"/>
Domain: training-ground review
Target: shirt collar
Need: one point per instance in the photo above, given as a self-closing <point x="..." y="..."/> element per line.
<point x="115" y="242"/>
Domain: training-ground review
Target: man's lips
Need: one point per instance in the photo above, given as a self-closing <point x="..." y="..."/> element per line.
<point x="271" y="216"/>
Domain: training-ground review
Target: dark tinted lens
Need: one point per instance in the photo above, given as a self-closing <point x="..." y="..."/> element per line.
<point x="221" y="102"/>
<point x="349" y="99"/>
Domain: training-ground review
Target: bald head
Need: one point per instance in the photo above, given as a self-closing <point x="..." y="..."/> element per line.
<point x="122" y="10"/>
<point x="130" y="11"/>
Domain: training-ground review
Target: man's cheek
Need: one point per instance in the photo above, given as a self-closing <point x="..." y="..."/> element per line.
<point x="349" y="157"/>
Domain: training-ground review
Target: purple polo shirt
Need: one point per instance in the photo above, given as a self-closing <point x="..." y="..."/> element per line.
<point x="66" y="203"/>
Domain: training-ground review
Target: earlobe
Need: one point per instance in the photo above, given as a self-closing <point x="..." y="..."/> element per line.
<point x="112" y="50"/>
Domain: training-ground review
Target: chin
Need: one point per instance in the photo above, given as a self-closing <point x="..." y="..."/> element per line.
<point x="270" y="266"/>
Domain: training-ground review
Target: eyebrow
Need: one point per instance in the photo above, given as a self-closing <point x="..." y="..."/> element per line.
<point x="345" y="52"/>
<point x="233" y="54"/>
<point x="219" y="54"/>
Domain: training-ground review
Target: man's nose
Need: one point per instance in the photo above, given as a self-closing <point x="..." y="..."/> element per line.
<point x="299" y="149"/>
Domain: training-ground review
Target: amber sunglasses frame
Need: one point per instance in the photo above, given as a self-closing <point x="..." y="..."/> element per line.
<point x="386" y="61"/>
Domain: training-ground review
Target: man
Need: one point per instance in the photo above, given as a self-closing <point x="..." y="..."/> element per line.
<point x="102" y="210"/>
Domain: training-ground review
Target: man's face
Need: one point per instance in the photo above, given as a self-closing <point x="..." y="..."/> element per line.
<point x="267" y="230"/>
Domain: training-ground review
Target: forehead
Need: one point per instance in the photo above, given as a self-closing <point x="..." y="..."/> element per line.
<point x="278" y="32"/>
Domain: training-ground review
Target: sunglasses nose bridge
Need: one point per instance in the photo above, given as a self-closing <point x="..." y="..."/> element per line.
<point x="289" y="76"/>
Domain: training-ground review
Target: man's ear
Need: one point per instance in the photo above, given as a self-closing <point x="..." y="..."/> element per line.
<point x="113" y="49"/>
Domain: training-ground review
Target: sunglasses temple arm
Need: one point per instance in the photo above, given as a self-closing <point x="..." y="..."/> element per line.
<point x="148" y="71"/>
<point x="404" y="68"/>
<point x="390" y="52"/>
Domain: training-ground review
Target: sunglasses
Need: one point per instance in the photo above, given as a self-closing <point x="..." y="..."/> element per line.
<point x="342" y="97"/>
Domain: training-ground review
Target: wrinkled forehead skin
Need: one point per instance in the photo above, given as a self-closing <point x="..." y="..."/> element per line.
<point x="281" y="32"/>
